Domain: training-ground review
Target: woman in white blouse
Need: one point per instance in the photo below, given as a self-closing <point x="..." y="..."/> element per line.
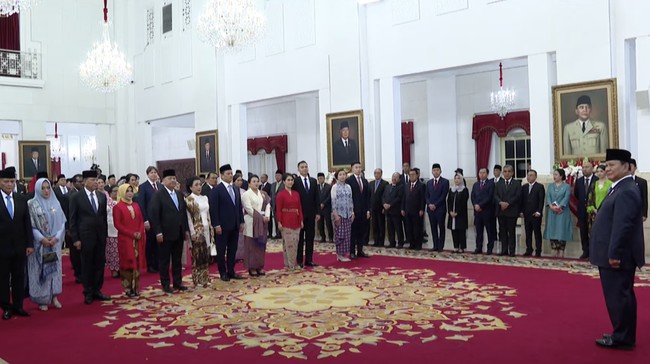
<point x="257" y="208"/>
<point x="201" y="240"/>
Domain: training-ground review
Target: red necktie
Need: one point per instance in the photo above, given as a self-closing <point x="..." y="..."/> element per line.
<point x="435" y="183"/>
<point x="360" y="184"/>
<point x="482" y="185"/>
<point x="412" y="186"/>
<point x="155" y="187"/>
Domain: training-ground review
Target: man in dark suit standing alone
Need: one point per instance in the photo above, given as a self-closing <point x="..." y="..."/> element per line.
<point x="496" y="171"/>
<point x="617" y="248"/>
<point x="210" y="182"/>
<point x="168" y="217"/>
<point x="88" y="229"/>
<point x="310" y="202"/>
<point x="643" y="188"/>
<point x="325" y="189"/>
<point x="413" y="204"/>
<point x="532" y="207"/>
<point x="266" y="187"/>
<point x="145" y="194"/>
<point x="392" y="204"/>
<point x="483" y="202"/>
<point x="16" y="244"/>
<point x="581" y="192"/>
<point x="361" y="202"/>
<point x="507" y="193"/>
<point x="228" y="220"/>
<point x="75" y="254"/>
<point x="344" y="149"/>
<point x="436" y="197"/>
<point x="377" y="188"/>
<point x="276" y="187"/>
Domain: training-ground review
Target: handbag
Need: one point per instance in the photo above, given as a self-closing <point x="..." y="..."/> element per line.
<point x="50" y="257"/>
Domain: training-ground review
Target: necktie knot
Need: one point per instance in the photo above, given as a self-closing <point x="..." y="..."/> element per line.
<point x="10" y="206"/>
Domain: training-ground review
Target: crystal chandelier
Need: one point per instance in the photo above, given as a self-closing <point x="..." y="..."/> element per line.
<point x="106" y="68"/>
<point x="89" y="149"/>
<point x="11" y="7"/>
<point x="230" y="25"/>
<point x="57" y="151"/>
<point x="502" y="101"/>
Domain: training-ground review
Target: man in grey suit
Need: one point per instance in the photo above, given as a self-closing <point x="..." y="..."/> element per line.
<point x="507" y="193"/>
<point x="619" y="251"/>
<point x="276" y="187"/>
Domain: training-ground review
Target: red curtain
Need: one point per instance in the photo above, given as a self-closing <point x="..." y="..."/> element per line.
<point x="407" y="140"/>
<point x="277" y="143"/>
<point x="55" y="168"/>
<point x="10" y="33"/>
<point x="484" y="125"/>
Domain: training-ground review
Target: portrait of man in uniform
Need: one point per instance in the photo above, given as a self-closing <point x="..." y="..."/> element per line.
<point x="585" y="119"/>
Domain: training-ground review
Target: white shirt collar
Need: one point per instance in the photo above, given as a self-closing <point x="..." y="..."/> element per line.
<point x="169" y="191"/>
<point x="617" y="182"/>
<point x="87" y="192"/>
<point x="4" y="196"/>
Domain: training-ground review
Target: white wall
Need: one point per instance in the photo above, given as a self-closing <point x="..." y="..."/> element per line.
<point x="172" y="143"/>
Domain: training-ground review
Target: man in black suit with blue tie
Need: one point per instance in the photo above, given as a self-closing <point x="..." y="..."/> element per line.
<point x="483" y="202"/>
<point x="145" y="193"/>
<point x="228" y="220"/>
<point x="413" y="204"/>
<point x="617" y="248"/>
<point x="361" y="202"/>
<point x="581" y="192"/>
<point x="307" y="187"/>
<point x="507" y="194"/>
<point x="436" y="197"/>
<point x="532" y="208"/>
<point x="392" y="204"/>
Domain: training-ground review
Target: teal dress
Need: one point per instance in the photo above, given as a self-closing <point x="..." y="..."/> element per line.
<point x="558" y="226"/>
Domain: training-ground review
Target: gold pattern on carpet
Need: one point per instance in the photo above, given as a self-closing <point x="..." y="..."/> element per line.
<point x="326" y="311"/>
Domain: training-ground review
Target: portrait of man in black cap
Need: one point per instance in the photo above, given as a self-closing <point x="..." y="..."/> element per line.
<point x="344" y="133"/>
<point x="34" y="158"/>
<point x="584" y="136"/>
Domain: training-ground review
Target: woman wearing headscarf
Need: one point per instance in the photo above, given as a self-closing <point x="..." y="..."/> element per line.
<point x="44" y="266"/>
<point x="201" y="239"/>
<point x="131" y="239"/>
<point x="257" y="211"/>
<point x="596" y="195"/>
<point x="112" y="255"/>
<point x="457" y="220"/>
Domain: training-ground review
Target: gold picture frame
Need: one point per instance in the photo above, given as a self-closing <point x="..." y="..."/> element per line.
<point x="601" y="130"/>
<point x="29" y="168"/>
<point x="207" y="157"/>
<point x="339" y="153"/>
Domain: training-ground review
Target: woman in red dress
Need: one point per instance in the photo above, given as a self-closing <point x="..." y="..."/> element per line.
<point x="131" y="239"/>
<point x="288" y="212"/>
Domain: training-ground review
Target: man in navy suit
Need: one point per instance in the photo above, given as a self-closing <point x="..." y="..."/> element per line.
<point x="228" y="220"/>
<point x="507" y="193"/>
<point x="643" y="188"/>
<point x="392" y="203"/>
<point x="361" y="201"/>
<point x="413" y="204"/>
<point x="581" y="192"/>
<point x="496" y="171"/>
<point x="617" y="248"/>
<point x="436" y="197"/>
<point x="377" y="188"/>
<point x="145" y="194"/>
<point x="483" y="201"/>
<point x="307" y="187"/>
<point x="532" y="207"/>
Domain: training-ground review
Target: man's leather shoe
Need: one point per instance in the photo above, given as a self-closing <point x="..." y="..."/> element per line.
<point x="152" y="270"/>
<point x="353" y="256"/>
<point x="609" y="343"/>
<point x="100" y="297"/>
<point x="225" y="278"/>
<point x="512" y="255"/>
<point x="22" y="313"/>
<point x="236" y="276"/>
<point x="584" y="256"/>
<point x="538" y="254"/>
<point x="7" y="315"/>
<point x="181" y="288"/>
<point x="167" y="289"/>
<point x="311" y="264"/>
<point x="477" y="252"/>
<point x="503" y="254"/>
<point x="489" y="252"/>
<point x="363" y="255"/>
<point x="88" y="299"/>
<point x="77" y="280"/>
<point x="528" y="253"/>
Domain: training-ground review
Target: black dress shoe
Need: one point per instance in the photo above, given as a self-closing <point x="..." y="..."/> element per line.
<point x="489" y="252"/>
<point x="236" y="276"/>
<point x="100" y="297"/>
<point x="363" y="255"/>
<point x="129" y="294"/>
<point x="503" y="254"/>
<point x="167" y="289"/>
<point x="609" y="343"/>
<point x="88" y="299"/>
<point x="77" y="280"/>
<point x="152" y="270"/>
<point x="181" y="288"/>
<point x="22" y="313"/>
<point x="512" y="255"/>
<point x="528" y="253"/>
<point x="353" y="256"/>
<point x="225" y="278"/>
<point x="7" y="315"/>
<point x="311" y="264"/>
<point x="584" y="256"/>
<point x="538" y="254"/>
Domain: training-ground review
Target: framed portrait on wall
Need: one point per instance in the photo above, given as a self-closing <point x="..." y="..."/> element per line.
<point x="207" y="151"/>
<point x="34" y="157"/>
<point x="345" y="139"/>
<point x="585" y="119"/>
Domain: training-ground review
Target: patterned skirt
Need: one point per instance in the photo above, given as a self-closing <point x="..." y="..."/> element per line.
<point x="200" y="262"/>
<point x="254" y="253"/>
<point x="290" y="247"/>
<point x="112" y="255"/>
<point x="343" y="234"/>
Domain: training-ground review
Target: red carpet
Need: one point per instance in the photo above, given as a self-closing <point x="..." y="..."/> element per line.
<point x="385" y="309"/>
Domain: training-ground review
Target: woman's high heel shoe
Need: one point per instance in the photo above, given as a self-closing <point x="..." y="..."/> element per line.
<point x="342" y="258"/>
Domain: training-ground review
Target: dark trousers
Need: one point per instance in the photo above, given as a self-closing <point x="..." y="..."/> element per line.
<point x="326" y="221"/>
<point x="275" y="222"/>
<point x="459" y="236"/>
<point x="12" y="281"/>
<point x="75" y="260"/>
<point x="413" y="227"/>
<point x="306" y="241"/>
<point x="359" y="233"/>
<point x="93" y="261"/>
<point x="170" y="250"/>
<point x="395" y="228"/>
<point x="533" y="225"/>
<point x="507" y="227"/>
<point x="496" y="232"/>
<point x="227" y="251"/>
<point x="618" y="288"/>
<point x="584" y="235"/>
<point x="484" y="222"/>
<point x="151" y="251"/>
<point x="378" y="226"/>
<point x="437" y="223"/>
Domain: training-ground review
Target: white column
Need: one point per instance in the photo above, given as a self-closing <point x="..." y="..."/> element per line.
<point x="541" y="77"/>
<point x="236" y="141"/>
<point x="443" y="127"/>
<point x="307" y="135"/>
<point x="390" y="122"/>
<point x="323" y="110"/>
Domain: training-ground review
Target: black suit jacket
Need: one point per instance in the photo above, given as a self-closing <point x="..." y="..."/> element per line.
<point x="343" y="156"/>
<point x="534" y="201"/>
<point x="617" y="232"/>
<point x="15" y="234"/>
<point x="581" y="193"/>
<point x="223" y="212"/>
<point x="510" y="194"/>
<point x="86" y="225"/>
<point x="393" y="196"/>
<point x="377" y="195"/>
<point x="413" y="201"/>
<point x="484" y="198"/>
<point x="20" y="188"/>
<point x="360" y="198"/>
<point x="205" y="189"/>
<point x="643" y="188"/>
<point x="165" y="218"/>
<point x="145" y="194"/>
<point x="266" y="188"/>
<point x="310" y="200"/>
<point x="326" y="197"/>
